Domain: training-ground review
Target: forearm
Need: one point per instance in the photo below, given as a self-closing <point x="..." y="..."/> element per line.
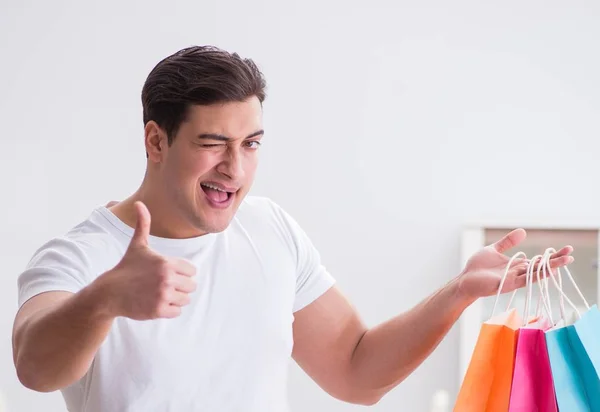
<point x="55" y="347"/>
<point x="388" y="353"/>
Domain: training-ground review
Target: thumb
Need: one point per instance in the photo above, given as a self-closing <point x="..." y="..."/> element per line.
<point x="142" y="225"/>
<point x="510" y="240"/>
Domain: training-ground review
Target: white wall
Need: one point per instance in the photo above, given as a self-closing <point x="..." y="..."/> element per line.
<point x="388" y="127"/>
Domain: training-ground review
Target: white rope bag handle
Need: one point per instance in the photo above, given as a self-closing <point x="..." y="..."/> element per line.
<point x="508" y="266"/>
<point x="529" y="289"/>
<point x="543" y="286"/>
<point x="548" y="272"/>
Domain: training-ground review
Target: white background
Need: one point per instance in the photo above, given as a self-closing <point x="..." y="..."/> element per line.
<point x="389" y="126"/>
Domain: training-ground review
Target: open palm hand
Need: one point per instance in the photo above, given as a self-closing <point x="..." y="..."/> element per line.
<point x="483" y="272"/>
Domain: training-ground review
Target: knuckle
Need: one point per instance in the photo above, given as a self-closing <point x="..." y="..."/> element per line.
<point x="162" y="264"/>
<point x="164" y="280"/>
<point x="164" y="273"/>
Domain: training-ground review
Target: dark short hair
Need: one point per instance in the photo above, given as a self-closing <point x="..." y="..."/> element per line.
<point x="199" y="75"/>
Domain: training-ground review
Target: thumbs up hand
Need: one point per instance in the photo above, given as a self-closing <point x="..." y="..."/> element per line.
<point x="145" y="285"/>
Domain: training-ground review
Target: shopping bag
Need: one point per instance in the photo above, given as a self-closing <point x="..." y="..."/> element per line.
<point x="574" y="353"/>
<point x="487" y="382"/>
<point x="532" y="387"/>
<point x="568" y="386"/>
<point x="584" y="336"/>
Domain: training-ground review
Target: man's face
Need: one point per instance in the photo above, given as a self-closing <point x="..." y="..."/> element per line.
<point x="210" y="166"/>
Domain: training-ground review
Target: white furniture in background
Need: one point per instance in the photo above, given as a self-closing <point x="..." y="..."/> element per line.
<point x="585" y="270"/>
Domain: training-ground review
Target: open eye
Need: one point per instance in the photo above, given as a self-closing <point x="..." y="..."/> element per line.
<point x="254" y="144"/>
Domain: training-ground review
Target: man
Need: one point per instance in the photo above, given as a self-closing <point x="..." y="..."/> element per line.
<point x="191" y="296"/>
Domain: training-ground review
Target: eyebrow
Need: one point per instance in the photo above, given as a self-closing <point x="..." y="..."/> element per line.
<point x="222" y="138"/>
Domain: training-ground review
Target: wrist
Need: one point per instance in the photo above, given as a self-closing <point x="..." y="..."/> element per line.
<point x="101" y="299"/>
<point x="462" y="293"/>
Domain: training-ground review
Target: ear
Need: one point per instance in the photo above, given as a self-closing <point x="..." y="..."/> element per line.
<point x="155" y="140"/>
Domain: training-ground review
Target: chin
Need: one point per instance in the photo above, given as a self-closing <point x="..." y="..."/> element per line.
<point x="213" y="225"/>
<point x="215" y="217"/>
<point x="216" y="228"/>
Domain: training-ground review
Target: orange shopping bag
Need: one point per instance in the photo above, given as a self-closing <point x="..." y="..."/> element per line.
<point x="487" y="383"/>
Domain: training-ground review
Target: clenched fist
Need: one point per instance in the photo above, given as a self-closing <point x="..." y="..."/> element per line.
<point x="145" y="285"/>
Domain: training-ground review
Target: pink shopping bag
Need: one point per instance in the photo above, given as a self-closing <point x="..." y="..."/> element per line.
<point x="532" y="386"/>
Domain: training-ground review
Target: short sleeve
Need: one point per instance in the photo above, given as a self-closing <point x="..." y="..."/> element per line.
<point x="312" y="277"/>
<point x="59" y="265"/>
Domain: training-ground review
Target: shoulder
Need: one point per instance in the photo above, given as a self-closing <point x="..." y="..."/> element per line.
<point x="263" y="213"/>
<point x="68" y="262"/>
<point x="81" y="246"/>
<point x="258" y="206"/>
<point x="95" y="233"/>
<point x="263" y="217"/>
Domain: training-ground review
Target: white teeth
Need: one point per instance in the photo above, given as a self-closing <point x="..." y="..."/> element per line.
<point x="213" y="187"/>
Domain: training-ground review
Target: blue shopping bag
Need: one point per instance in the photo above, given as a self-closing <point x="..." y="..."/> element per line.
<point x="585" y="340"/>
<point x="576" y="382"/>
<point x="574" y="353"/>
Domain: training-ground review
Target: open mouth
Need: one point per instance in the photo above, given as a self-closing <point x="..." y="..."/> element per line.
<point x="217" y="193"/>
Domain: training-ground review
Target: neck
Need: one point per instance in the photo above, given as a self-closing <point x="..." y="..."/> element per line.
<point x="165" y="220"/>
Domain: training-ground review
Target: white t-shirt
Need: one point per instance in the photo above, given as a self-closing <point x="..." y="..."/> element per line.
<point x="230" y="348"/>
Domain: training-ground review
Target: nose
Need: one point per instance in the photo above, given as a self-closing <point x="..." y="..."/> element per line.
<point x="232" y="166"/>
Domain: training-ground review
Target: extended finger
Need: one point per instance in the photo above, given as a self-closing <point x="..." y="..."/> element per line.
<point x="565" y="250"/>
<point x="561" y="261"/>
<point x="511" y="240"/>
<point x="519" y="262"/>
<point x="520" y="270"/>
<point x="142" y="225"/>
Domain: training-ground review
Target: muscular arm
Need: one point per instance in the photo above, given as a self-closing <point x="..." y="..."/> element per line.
<point x="360" y="365"/>
<point x="56" y="336"/>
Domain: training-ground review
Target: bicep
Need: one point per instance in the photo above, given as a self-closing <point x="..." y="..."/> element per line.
<point x="34" y="307"/>
<point x="326" y="332"/>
